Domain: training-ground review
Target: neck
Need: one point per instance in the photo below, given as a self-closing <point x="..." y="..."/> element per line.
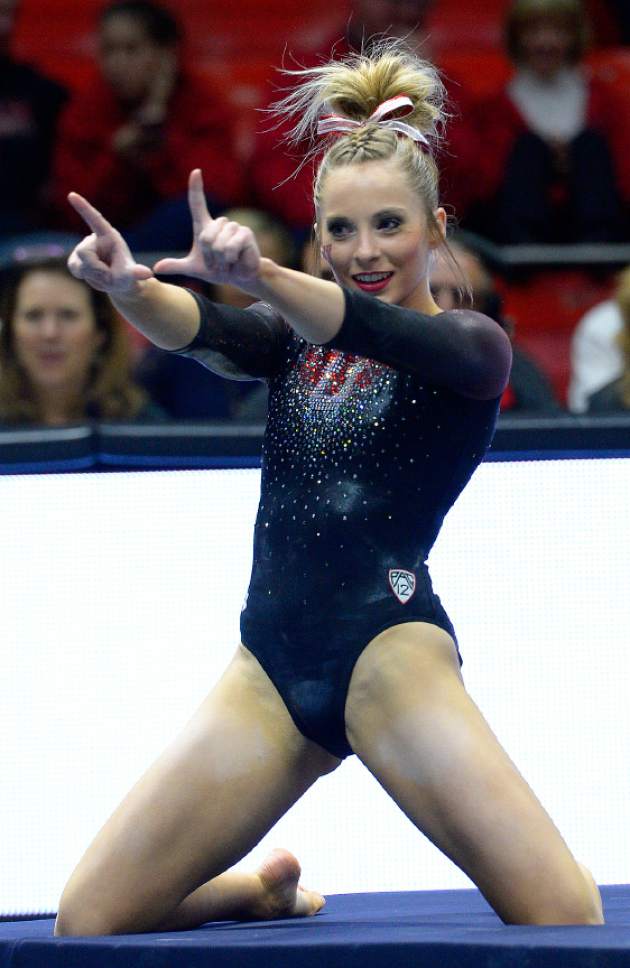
<point x="60" y="405"/>
<point x="422" y="302"/>
<point x="546" y="77"/>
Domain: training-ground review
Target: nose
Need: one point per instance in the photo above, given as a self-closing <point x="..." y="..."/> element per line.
<point x="49" y="327"/>
<point x="367" y="248"/>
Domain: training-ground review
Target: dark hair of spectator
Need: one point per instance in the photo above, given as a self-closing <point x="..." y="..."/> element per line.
<point x="110" y="392"/>
<point x="622" y="296"/>
<point x="158" y="22"/>
<point x="569" y="12"/>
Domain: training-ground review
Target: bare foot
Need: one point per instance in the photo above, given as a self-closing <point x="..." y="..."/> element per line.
<point x="282" y="896"/>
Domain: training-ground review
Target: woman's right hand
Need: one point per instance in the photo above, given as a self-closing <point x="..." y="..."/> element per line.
<point x="222" y="251"/>
<point x="103" y="259"/>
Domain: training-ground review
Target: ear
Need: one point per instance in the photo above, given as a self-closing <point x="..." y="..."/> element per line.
<point x="441" y="219"/>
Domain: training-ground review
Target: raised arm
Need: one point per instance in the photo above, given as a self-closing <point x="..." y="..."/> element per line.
<point x="462" y="350"/>
<point x="167" y="315"/>
<point x="226" y="252"/>
<point x="236" y="343"/>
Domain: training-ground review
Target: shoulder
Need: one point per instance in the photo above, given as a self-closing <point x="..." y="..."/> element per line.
<point x="478" y="323"/>
<point x="597" y="89"/>
<point x="604" y="318"/>
<point x="93" y="103"/>
<point x="200" y="93"/>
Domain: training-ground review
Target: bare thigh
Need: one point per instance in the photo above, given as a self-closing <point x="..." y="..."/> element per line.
<point x="236" y="768"/>
<point x="411" y="721"/>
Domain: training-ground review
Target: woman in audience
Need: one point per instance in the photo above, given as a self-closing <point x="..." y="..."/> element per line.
<point x="64" y="352"/>
<point x="546" y="164"/>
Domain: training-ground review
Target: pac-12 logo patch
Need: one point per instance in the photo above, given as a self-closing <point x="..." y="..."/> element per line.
<point x="402" y="583"/>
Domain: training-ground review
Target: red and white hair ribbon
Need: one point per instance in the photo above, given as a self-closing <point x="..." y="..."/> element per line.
<point x="382" y="115"/>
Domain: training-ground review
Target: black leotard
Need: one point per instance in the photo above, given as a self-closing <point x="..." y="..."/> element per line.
<point x="362" y="458"/>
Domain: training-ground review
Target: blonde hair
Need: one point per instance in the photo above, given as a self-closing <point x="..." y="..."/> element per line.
<point x="354" y="87"/>
<point x="522" y="12"/>
<point x="622" y="295"/>
<point x="110" y="392"/>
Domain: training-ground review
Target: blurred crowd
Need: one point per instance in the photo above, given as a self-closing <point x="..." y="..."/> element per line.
<point x="540" y="157"/>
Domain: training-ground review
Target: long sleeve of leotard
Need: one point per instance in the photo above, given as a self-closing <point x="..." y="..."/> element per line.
<point x="462" y="350"/>
<point x="242" y="344"/>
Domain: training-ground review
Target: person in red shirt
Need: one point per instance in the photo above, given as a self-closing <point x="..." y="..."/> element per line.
<point x="546" y="169"/>
<point x="129" y="140"/>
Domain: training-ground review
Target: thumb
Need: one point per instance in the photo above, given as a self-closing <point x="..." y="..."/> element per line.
<point x="141" y="272"/>
<point x="166" y="267"/>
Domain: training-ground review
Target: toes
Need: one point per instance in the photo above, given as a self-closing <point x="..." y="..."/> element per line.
<point x="308" y="903"/>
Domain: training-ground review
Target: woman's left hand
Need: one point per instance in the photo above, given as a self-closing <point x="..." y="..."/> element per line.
<point x="222" y="251"/>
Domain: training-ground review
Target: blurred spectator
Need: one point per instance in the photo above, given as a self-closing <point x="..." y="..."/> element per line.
<point x="614" y="397"/>
<point x="275" y="182"/>
<point x="370" y="19"/>
<point x="546" y="163"/>
<point x="195" y="393"/>
<point x="529" y="390"/>
<point x="29" y="107"/>
<point x="596" y="357"/>
<point x="129" y="141"/>
<point x="274" y="241"/>
<point x="64" y="353"/>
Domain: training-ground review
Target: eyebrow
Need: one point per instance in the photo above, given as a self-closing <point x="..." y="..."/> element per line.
<point x="392" y="210"/>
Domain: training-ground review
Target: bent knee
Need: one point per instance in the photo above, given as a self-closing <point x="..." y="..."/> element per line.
<point x="566" y="914"/>
<point x="77" y="918"/>
<point x="74" y="923"/>
<point x="580" y="906"/>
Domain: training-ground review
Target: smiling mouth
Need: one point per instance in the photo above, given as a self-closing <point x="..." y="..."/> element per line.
<point x="372" y="281"/>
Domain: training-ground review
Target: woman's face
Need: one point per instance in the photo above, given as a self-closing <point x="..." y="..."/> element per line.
<point x="545" y="45"/>
<point x="374" y="233"/>
<point x="130" y="60"/>
<point x="55" y="337"/>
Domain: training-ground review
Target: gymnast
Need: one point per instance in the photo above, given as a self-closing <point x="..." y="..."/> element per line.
<point x="381" y="406"/>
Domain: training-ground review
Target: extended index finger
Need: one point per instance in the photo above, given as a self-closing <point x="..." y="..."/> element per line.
<point x="197" y="201"/>
<point x="97" y="222"/>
